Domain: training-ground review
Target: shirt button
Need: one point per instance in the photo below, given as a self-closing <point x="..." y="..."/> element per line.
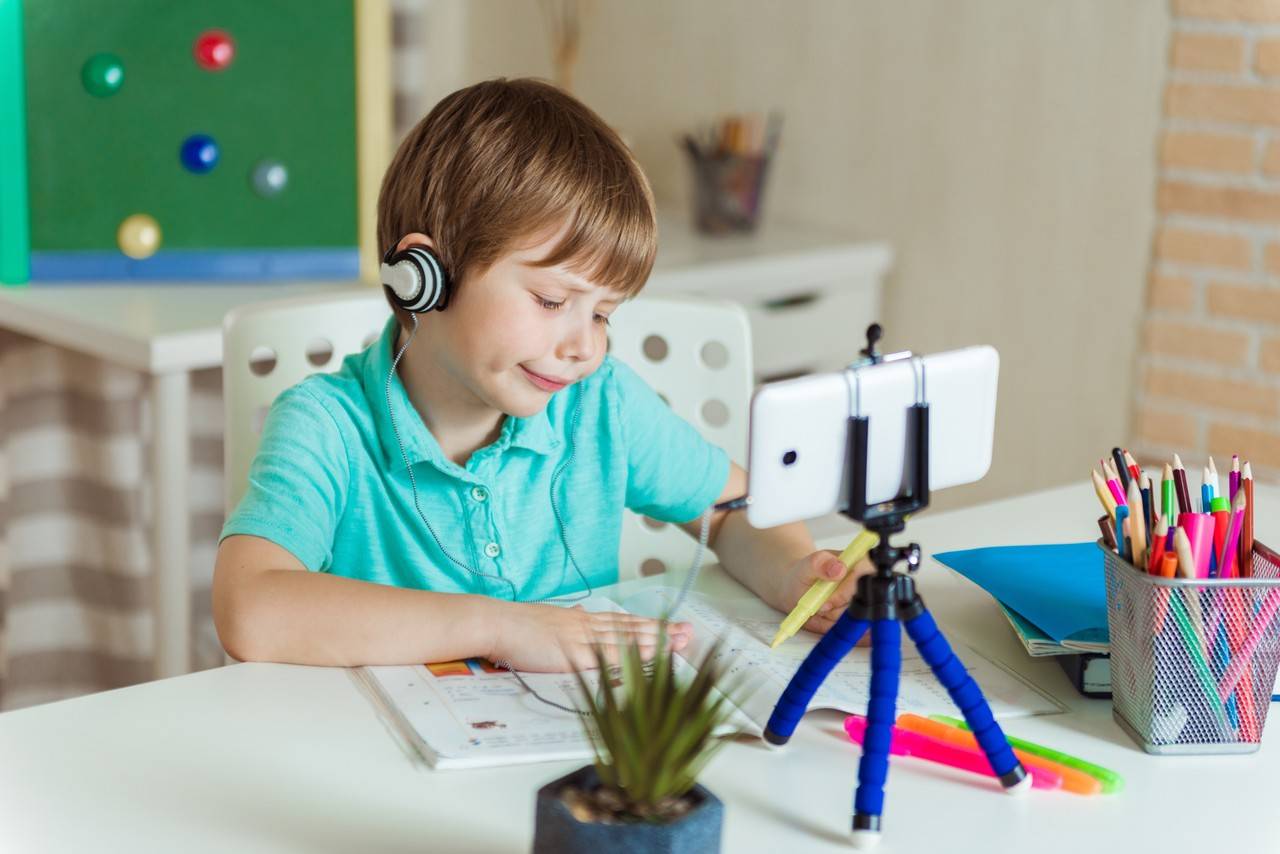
<point x="492" y="550"/>
<point x="479" y="493"/>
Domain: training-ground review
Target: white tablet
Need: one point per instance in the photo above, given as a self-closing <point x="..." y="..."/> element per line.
<point x="799" y="431"/>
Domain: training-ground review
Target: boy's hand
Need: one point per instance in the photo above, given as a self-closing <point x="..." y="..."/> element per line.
<point x="548" y="638"/>
<point x="822" y="565"/>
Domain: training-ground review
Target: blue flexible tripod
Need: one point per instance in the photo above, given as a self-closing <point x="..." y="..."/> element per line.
<point x="884" y="599"/>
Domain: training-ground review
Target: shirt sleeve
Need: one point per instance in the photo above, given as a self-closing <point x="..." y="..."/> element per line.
<point x="297" y="482"/>
<point x="673" y="473"/>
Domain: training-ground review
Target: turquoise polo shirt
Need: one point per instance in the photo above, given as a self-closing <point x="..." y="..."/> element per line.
<point x="330" y="485"/>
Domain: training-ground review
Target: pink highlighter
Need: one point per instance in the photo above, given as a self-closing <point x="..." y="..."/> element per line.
<point x="906" y="743"/>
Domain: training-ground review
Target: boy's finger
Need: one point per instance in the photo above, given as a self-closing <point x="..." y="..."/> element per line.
<point x="818" y="624"/>
<point x="827" y="566"/>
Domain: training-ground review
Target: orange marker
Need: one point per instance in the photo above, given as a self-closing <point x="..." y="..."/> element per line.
<point x="1072" y="780"/>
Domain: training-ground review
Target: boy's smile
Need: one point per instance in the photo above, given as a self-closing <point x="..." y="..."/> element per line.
<point x="545" y="383"/>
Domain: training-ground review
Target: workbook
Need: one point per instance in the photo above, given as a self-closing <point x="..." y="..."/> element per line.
<point x="465" y="714"/>
<point x="1038" y="644"/>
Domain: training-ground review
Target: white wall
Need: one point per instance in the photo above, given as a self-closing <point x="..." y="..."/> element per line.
<point x="1005" y="148"/>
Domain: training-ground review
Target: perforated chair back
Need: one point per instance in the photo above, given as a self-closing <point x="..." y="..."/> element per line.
<point x="268" y="347"/>
<point x="696" y="353"/>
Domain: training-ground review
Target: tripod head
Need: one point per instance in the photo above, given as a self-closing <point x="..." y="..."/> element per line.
<point x="889" y="517"/>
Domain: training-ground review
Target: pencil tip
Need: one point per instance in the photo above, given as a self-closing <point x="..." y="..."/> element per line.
<point x="1177" y="461"/>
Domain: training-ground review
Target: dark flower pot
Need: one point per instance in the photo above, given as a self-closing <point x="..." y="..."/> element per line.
<point x="556" y="831"/>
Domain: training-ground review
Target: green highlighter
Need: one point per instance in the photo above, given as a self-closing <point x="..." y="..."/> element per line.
<point x="1111" y="781"/>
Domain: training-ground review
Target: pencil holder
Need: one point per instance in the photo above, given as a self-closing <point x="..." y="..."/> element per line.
<point x="1193" y="661"/>
<point x="727" y="190"/>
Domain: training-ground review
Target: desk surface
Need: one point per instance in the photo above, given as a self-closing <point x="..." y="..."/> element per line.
<point x="279" y="758"/>
<point x="159" y="327"/>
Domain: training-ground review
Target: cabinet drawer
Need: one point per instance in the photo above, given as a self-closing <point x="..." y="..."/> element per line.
<point x="816" y="328"/>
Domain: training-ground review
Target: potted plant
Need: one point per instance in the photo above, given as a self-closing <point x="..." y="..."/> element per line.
<point x="653" y="734"/>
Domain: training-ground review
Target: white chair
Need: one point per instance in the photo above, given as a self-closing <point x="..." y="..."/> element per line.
<point x="695" y="353"/>
<point x="269" y="346"/>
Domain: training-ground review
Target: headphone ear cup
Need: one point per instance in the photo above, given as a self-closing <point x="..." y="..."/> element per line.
<point x="416" y="279"/>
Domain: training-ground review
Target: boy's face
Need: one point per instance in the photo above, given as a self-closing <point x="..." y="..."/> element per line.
<point x="515" y="334"/>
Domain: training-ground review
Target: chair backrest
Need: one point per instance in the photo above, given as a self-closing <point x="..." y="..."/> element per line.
<point x="695" y="353"/>
<point x="269" y="346"/>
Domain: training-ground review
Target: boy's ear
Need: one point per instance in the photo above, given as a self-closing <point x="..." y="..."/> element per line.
<point x="416" y="238"/>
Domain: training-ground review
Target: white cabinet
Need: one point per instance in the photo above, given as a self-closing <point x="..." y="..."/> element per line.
<point x="810" y="291"/>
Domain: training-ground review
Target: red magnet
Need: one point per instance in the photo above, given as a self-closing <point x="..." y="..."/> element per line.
<point x="214" y="50"/>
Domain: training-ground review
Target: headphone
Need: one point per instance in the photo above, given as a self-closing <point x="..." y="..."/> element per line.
<point x="416" y="278"/>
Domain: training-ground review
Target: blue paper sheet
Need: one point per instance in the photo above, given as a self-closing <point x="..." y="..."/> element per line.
<point x="1060" y="588"/>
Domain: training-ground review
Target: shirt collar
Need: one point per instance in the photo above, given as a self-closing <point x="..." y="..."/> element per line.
<point x="533" y="433"/>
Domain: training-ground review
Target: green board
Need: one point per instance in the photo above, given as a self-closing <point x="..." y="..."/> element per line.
<point x="287" y="95"/>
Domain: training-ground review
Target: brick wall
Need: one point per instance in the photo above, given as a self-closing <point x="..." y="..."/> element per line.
<point x="1209" y="370"/>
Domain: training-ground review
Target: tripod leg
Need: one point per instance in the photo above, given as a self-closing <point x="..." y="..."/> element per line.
<point x="873" y="767"/>
<point x="968" y="696"/>
<point x="791" y="706"/>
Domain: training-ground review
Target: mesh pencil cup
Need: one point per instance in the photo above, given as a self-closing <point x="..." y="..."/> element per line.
<point x="727" y="191"/>
<point x="1193" y="661"/>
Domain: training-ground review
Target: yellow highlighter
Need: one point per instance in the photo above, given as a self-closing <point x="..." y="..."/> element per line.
<point x="820" y="591"/>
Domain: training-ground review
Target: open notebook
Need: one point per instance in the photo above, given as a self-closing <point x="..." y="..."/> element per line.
<point x="471" y="714"/>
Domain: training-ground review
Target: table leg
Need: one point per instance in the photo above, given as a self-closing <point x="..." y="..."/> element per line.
<point x="171" y="522"/>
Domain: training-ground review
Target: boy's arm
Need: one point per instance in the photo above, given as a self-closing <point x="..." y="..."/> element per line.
<point x="777" y="564"/>
<point x="268" y="607"/>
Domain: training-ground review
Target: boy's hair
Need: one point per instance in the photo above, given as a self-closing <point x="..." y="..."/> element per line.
<point x="505" y="160"/>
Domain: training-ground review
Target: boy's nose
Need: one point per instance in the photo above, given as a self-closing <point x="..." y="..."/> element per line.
<point x="580" y="343"/>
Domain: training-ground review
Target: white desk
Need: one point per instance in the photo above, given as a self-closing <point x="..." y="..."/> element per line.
<point x="275" y="758"/>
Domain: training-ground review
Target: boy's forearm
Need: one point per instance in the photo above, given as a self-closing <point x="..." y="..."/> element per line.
<point x="312" y="618"/>
<point x="758" y="557"/>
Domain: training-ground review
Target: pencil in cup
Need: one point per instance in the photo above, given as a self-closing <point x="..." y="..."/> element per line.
<point x="1173" y="687"/>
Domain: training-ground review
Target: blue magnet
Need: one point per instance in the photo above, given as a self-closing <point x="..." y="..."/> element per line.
<point x="199" y="153"/>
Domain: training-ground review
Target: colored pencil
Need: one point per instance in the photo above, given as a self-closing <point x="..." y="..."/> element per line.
<point x="1180" y="485"/>
<point x="1146" y="505"/>
<point x="1104" y="494"/>
<point x="1158" y="540"/>
<point x="1231" y="543"/>
<point x="1137" y="527"/>
<point x="1113" y="484"/>
<point x="1134" y="471"/>
<point x="1233" y="479"/>
<point x="1246" y="538"/>
<point x="1167" y="501"/>
<point x="1121" y="471"/>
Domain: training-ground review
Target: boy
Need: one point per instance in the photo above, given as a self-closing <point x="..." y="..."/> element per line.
<point x="425" y="502"/>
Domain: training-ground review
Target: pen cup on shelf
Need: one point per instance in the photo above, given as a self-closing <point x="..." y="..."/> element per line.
<point x="727" y="190"/>
<point x="1193" y="661"/>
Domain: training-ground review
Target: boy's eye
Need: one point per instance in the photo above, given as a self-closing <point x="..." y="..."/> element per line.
<point x="551" y="305"/>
